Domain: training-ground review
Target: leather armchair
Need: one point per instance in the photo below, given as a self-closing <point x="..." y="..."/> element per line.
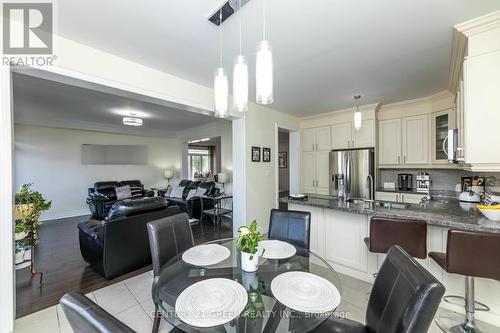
<point x="290" y="226"/>
<point x="102" y="196"/>
<point x="404" y="299"/>
<point x="119" y="244"/>
<point x="193" y="206"/>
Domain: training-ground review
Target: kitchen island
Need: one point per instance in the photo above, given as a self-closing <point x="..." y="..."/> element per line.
<point x="338" y="229"/>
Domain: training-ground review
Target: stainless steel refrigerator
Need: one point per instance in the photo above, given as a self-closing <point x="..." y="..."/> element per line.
<point x="353" y="173"/>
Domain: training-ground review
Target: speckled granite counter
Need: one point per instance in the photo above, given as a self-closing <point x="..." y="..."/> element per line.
<point x="449" y="213"/>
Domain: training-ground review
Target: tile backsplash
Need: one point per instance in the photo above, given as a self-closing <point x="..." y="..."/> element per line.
<point x="441" y="179"/>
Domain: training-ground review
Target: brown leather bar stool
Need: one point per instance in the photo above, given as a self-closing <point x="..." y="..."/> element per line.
<point x="411" y="235"/>
<point x="473" y="254"/>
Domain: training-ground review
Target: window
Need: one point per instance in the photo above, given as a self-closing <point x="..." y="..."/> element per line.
<point x="199" y="162"/>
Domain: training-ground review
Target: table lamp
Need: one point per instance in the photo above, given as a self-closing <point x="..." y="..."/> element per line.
<point x="222" y="178"/>
<point x="168" y="174"/>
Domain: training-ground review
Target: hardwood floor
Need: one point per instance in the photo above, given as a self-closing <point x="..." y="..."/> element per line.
<point x="58" y="257"/>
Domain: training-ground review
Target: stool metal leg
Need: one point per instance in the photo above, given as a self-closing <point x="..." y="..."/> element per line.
<point x="456" y="323"/>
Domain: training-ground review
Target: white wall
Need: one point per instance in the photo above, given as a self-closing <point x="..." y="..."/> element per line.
<point x="51" y="159"/>
<point x="261" y="177"/>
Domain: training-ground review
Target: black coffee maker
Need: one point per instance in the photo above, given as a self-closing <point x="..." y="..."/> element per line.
<point x="405" y="181"/>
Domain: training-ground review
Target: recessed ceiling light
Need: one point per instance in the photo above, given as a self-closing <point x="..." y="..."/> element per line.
<point x="132" y="121"/>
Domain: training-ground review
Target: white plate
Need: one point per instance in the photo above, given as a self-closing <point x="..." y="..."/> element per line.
<point x="305" y="292"/>
<point x="206" y="255"/>
<point x="297" y="195"/>
<point x="275" y="249"/>
<point x="211" y="302"/>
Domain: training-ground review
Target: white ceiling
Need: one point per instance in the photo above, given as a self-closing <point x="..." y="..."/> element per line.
<point x="49" y="103"/>
<point x="326" y="51"/>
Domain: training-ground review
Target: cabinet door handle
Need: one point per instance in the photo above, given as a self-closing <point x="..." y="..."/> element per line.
<point x="313" y="146"/>
<point x="316" y="146"/>
<point x="352" y="144"/>
<point x="399" y="159"/>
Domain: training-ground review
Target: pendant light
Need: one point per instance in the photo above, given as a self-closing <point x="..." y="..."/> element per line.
<point x="357" y="114"/>
<point x="264" y="66"/>
<point x="240" y="77"/>
<point x="221" y="84"/>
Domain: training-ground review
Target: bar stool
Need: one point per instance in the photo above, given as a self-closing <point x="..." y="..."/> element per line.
<point x="411" y="235"/>
<point x="473" y="254"/>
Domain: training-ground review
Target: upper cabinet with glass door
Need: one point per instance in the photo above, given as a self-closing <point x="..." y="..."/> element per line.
<point x="441" y="122"/>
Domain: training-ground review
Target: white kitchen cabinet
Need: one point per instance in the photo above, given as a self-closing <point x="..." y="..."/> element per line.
<point x="482" y="111"/>
<point x="341" y="135"/>
<point x="317" y="238"/>
<point x="309" y="172"/>
<point x="314" y="139"/>
<point x="315" y="172"/>
<point x="441" y="122"/>
<point x="323" y="172"/>
<point x="365" y="136"/>
<point x="416" y="139"/>
<point x="323" y="138"/>
<point x="389" y="143"/>
<point x="309" y="139"/>
<point x="345" y="136"/>
<point x="344" y="243"/>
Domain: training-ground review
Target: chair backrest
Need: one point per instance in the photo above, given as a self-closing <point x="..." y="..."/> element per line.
<point x="85" y="316"/>
<point x="411" y="235"/>
<point x="168" y="237"/>
<point x="405" y="296"/>
<point x="132" y="183"/>
<point x="290" y="226"/>
<point x="472" y="253"/>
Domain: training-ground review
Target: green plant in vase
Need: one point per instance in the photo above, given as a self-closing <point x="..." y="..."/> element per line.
<point x="29" y="205"/>
<point x="247" y="243"/>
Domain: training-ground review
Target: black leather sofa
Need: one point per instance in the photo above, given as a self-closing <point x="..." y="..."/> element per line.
<point x="194" y="205"/>
<point x="119" y="244"/>
<point x="103" y="195"/>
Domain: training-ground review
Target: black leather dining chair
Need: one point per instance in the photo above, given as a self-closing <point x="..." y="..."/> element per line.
<point x="168" y="237"/>
<point x="290" y="226"/>
<point x="404" y="299"/>
<point x="85" y="316"/>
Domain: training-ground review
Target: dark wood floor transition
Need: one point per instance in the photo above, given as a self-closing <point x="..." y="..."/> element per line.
<point x="58" y="257"/>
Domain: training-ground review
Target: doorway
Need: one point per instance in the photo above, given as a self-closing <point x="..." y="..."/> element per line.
<point x="283" y="168"/>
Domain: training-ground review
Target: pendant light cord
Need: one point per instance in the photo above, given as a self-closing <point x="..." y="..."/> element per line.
<point x="263" y="19"/>
<point x="220" y="37"/>
<point x="239" y="19"/>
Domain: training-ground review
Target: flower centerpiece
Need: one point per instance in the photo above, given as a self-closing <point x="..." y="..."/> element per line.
<point x="247" y="243"/>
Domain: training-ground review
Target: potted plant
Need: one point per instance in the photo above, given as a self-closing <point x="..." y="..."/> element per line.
<point x="29" y="205"/>
<point x="247" y="243"/>
<point x="21" y="230"/>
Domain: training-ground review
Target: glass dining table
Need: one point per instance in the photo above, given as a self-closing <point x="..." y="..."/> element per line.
<point x="263" y="312"/>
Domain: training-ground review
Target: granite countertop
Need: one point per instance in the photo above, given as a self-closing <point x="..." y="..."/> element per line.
<point x="449" y="213"/>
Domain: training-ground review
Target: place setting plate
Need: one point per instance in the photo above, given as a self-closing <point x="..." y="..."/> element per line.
<point x="305" y="292"/>
<point x="206" y="255"/>
<point x="211" y="302"/>
<point x="276" y="249"/>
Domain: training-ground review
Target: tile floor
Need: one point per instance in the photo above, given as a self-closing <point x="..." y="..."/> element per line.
<point x="130" y="301"/>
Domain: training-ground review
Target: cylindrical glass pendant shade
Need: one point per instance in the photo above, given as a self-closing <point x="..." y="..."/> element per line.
<point x="240" y="84"/>
<point x="264" y="73"/>
<point x="221" y="93"/>
<point x="357" y="119"/>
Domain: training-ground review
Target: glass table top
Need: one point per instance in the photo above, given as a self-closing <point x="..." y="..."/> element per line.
<point x="263" y="312"/>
